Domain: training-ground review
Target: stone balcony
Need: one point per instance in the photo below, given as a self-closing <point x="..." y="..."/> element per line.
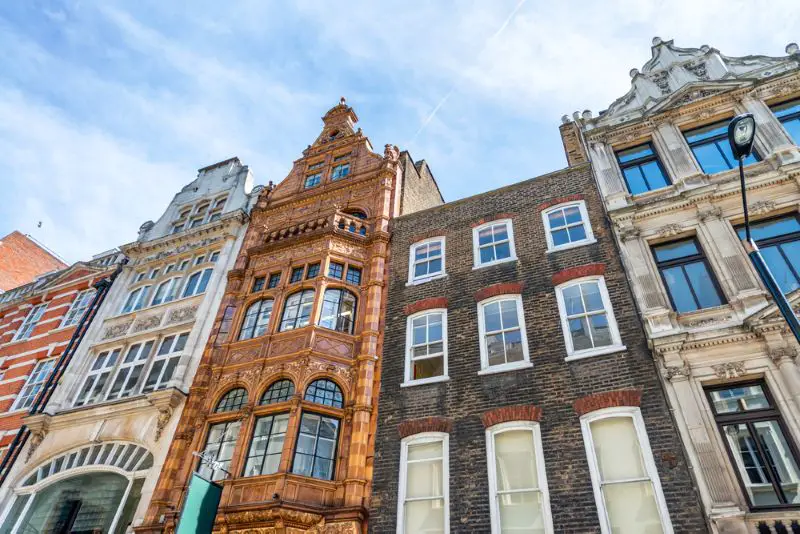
<point x="337" y="222"/>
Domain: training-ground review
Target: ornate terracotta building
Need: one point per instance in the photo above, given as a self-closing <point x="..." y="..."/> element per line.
<point x="285" y="395"/>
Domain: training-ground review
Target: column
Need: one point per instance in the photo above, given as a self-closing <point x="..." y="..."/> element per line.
<point x="677" y="156"/>
<point x="608" y="176"/>
<point x="771" y="138"/>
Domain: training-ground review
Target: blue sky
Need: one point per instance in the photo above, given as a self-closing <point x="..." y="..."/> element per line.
<point x="107" y="108"/>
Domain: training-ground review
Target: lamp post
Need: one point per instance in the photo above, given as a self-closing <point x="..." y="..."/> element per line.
<point x="741" y="134"/>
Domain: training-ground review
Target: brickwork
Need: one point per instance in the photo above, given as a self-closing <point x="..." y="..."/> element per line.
<point x="425" y="304"/>
<point x="571" y="273"/>
<point x="607" y="399"/>
<point x="22" y="260"/>
<point x="544" y="392"/>
<point x="425" y="424"/>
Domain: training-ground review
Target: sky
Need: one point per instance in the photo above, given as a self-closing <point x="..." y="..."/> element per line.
<point x="107" y="108"/>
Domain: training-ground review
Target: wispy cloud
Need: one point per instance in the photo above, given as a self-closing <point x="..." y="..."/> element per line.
<point x="107" y="108"/>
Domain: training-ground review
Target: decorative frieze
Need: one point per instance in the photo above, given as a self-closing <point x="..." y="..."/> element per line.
<point x="729" y="370"/>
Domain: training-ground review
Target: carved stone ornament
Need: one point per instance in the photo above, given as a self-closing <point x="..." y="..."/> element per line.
<point x="669" y="230"/>
<point x="180" y="315"/>
<point x="36" y="439"/>
<point x="713" y="212"/>
<point x="628" y="232"/>
<point x="117" y="330"/>
<point x="146" y="323"/>
<point x="782" y="354"/>
<point x="661" y="80"/>
<point x="762" y="207"/>
<point x="729" y="370"/>
<point x="673" y="373"/>
<point x="698" y="69"/>
<point x="164" y="415"/>
<point x="700" y="323"/>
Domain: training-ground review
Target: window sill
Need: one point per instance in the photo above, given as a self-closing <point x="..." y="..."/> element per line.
<point x="424" y="381"/>
<point x="505" y="367"/>
<point x="496" y="262"/>
<point x="595" y="352"/>
<point x="572" y="245"/>
<point x="424" y="280"/>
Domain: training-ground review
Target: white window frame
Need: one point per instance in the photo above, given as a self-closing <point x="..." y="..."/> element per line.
<point x="536" y="436"/>
<point x="140" y="300"/>
<point x="485" y="367"/>
<point x="29" y="323"/>
<point x="94" y="376"/>
<point x="633" y="413"/>
<point x="424" y="437"/>
<point x="167" y="357"/>
<point x="587" y="226"/>
<point x="195" y="290"/>
<point x="476" y="252"/>
<point x="127" y="367"/>
<point x="412" y="279"/>
<point x="408" y="381"/>
<point x="616" y="345"/>
<point x="171" y="293"/>
<point x="37" y="370"/>
<point x="78" y="307"/>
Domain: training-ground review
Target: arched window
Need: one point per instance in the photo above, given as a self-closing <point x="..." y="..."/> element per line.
<point x="232" y="401"/>
<point x="325" y="392"/>
<point x="256" y="319"/>
<point x="197" y="283"/>
<point x="297" y="310"/>
<point x="338" y="310"/>
<point x="279" y="391"/>
<point x="356" y="213"/>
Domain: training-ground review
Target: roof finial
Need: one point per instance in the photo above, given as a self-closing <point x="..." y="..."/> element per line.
<point x="657" y="41"/>
<point x="342" y="101"/>
<point x="792" y="49"/>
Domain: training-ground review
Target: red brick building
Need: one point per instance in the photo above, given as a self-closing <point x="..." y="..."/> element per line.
<point x="22" y="259"/>
<point x="37" y="321"/>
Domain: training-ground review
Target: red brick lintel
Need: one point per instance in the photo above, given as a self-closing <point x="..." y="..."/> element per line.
<point x="608" y="399"/>
<point x="509" y="288"/>
<point x="425" y="424"/>
<point x="511" y="413"/>
<point x="559" y="200"/>
<point x="425" y="304"/>
<point x="490" y="218"/>
<point x="592" y="269"/>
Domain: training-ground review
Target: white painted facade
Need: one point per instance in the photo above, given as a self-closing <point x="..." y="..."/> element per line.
<point x="743" y="339"/>
<point x="145" y="416"/>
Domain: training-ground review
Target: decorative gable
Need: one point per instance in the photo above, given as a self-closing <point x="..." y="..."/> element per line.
<point x="676" y="76"/>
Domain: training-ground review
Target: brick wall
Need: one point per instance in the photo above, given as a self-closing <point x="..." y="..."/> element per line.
<point x="419" y="187"/>
<point x="22" y="260"/>
<point x="547" y="391"/>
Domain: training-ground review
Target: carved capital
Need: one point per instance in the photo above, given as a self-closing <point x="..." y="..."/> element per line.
<point x="164" y="415"/>
<point x="762" y="207"/>
<point x="628" y="232"/>
<point x="712" y="212"/>
<point x="675" y="373"/>
<point x="782" y="354"/>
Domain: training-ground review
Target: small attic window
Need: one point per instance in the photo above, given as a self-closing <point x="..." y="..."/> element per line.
<point x="333" y="135"/>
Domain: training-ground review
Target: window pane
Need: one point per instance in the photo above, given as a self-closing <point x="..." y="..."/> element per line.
<point x="632" y="508"/>
<point x="772" y="228"/>
<point x="424" y="517"/>
<point x="577" y="233"/>
<point x="579" y="330"/>
<point x="491" y="314"/>
<point x="572" y="299"/>
<point x="635" y="153"/>
<point x="556" y="219"/>
<point x="521" y="513"/>
<point x="739" y="399"/>
<point x="425" y="451"/>
<point x="515" y="461"/>
<point x="678" y="249"/>
<point x="654" y="176"/>
<point x="750" y="464"/>
<point x="502" y="251"/>
<point x="783" y="273"/>
<point x="678" y="287"/>
<point x="617" y="450"/>
<point x="487" y="254"/>
<point x="427" y="368"/>
<point x="572" y="214"/>
<point x="485" y="236"/>
<point x="635" y="180"/>
<point x="509" y="313"/>
<point x="513" y="342"/>
<point x="495" y="349"/>
<point x="591" y="296"/>
<point x="710" y="158"/>
<point x="560" y="237"/>
<point x="500" y="232"/>
<point x="703" y="286"/>
<point x="780" y="458"/>
<point x="601" y="333"/>
<point x="793" y="129"/>
<point x="424" y="479"/>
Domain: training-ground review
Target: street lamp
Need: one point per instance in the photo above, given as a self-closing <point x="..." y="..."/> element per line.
<point x="741" y="134"/>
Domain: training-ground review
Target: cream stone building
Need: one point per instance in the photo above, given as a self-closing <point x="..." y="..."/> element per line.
<point x="671" y="188"/>
<point x="95" y="455"/>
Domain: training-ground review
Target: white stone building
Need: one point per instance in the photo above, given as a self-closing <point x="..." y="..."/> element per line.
<point x="671" y="188"/>
<point x="94" y="457"/>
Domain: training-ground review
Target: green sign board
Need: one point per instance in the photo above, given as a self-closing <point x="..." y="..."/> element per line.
<point x="200" y="506"/>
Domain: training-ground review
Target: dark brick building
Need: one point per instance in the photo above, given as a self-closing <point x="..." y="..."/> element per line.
<point x="517" y="391"/>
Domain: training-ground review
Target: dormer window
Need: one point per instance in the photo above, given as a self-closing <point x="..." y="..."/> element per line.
<point x="312" y="180"/>
<point x="340" y="171"/>
<point x="712" y="150"/>
<point x="642" y="169"/>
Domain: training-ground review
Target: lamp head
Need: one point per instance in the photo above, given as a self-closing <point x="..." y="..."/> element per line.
<point x="741" y="134"/>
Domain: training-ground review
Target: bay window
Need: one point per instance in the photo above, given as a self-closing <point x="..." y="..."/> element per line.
<point x="264" y="455"/>
<point x="297" y="310"/>
<point x="219" y="447"/>
<point x="315" y="453"/>
<point x="338" y="310"/>
<point x="256" y="319"/>
<point x="165" y="362"/>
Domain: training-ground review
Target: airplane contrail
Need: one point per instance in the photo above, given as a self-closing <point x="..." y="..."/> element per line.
<point x="446" y="97"/>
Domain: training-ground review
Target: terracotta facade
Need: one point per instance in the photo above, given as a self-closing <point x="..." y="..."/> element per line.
<point x="303" y="304"/>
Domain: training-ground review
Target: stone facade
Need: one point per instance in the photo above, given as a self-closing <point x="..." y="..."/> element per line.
<point x="317" y="240"/>
<point x="110" y="420"/>
<point x="734" y="338"/>
<point x="552" y="392"/>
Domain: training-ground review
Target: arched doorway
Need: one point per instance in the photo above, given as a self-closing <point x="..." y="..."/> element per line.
<point x="88" y="490"/>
